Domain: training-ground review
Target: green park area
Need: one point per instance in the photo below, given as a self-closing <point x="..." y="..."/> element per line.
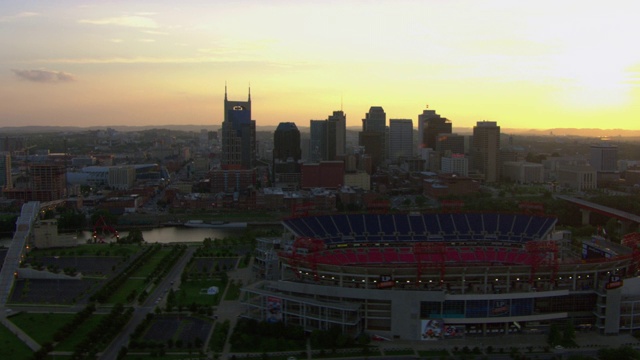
<point x="146" y="269"/>
<point x="42" y="328"/>
<point x="140" y="279"/>
<point x="131" y="285"/>
<point x="11" y="347"/>
<point x="194" y="292"/>
<point x="111" y="249"/>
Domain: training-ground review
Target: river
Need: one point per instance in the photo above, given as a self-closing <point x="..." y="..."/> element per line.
<point x="169" y="234"/>
<point x="173" y="234"/>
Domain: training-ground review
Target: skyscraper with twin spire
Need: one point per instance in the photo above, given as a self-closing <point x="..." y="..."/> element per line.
<point x="238" y="134"/>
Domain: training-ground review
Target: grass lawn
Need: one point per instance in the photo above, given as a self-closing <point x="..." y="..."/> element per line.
<point x="190" y="292"/>
<point x="146" y="268"/>
<point x="72" y="341"/>
<point x="433" y="353"/>
<point x="120" y="296"/>
<point x="11" y="347"/>
<point x="90" y="250"/>
<point x="399" y="352"/>
<point x="233" y="291"/>
<point x="41" y="327"/>
<point x="166" y="356"/>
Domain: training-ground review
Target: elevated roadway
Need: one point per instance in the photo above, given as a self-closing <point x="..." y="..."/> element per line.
<point x="587" y="207"/>
<point x="17" y="249"/>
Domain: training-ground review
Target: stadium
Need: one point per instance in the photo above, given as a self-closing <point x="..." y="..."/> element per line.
<point x="445" y="275"/>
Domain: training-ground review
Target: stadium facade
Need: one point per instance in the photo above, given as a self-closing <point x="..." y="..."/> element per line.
<point x="435" y="276"/>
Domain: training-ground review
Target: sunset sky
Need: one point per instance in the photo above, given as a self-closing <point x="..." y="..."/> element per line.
<point x="524" y="64"/>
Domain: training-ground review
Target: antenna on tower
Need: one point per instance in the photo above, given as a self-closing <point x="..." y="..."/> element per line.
<point x="249" y="90"/>
<point x="225" y="91"/>
<point x="340" y="101"/>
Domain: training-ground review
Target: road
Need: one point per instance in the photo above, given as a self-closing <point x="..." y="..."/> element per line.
<point x="147" y="307"/>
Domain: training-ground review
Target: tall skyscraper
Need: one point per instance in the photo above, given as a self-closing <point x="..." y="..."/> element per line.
<point x="238" y="134"/>
<point x="318" y="140"/>
<point x="375" y="120"/>
<point x="430" y="126"/>
<point x="486" y="149"/>
<point x="373" y="135"/>
<point x="5" y="171"/>
<point x="450" y="144"/>
<point x="336" y="135"/>
<point x="286" y="142"/>
<point x="400" y="138"/>
<point x="286" y="156"/>
<point x="604" y="157"/>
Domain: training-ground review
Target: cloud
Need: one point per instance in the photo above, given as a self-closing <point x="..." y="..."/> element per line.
<point x="127" y="21"/>
<point x="116" y="40"/>
<point x="154" y="32"/>
<point x="147" y="40"/>
<point x="22" y="15"/>
<point x="44" y="76"/>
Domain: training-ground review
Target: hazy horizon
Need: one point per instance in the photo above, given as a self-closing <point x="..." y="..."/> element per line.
<point x="537" y="65"/>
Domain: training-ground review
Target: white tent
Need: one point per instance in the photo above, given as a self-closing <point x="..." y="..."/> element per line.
<point x="212" y="290"/>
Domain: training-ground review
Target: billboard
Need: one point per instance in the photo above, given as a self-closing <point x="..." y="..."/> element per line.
<point x="431" y="329"/>
<point x="498" y="307"/>
<point x="274" y="309"/>
<point x="615" y="281"/>
<point x="451" y="331"/>
<point x="385" y="281"/>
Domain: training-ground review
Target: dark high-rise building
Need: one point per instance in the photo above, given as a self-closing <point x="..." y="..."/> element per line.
<point x="373" y="135"/>
<point x="375" y="120"/>
<point x="317" y="140"/>
<point x="286" y="142"/>
<point x="238" y="134"/>
<point x="450" y="144"/>
<point x="5" y="171"/>
<point x="486" y="150"/>
<point x="286" y="155"/>
<point x="604" y="157"/>
<point x="430" y="125"/>
<point x="336" y="135"/>
<point x="400" y="139"/>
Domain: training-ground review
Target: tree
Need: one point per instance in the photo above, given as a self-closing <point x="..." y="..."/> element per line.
<point x="612" y="229"/>
<point x="569" y="335"/>
<point x="134" y="237"/>
<point x="555" y="335"/>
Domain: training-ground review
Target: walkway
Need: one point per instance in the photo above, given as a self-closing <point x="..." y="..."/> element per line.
<point x="231" y="310"/>
<point x="22" y="336"/>
<point x="24" y="223"/>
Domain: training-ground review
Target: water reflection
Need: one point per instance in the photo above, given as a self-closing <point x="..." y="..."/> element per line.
<point x="175" y="234"/>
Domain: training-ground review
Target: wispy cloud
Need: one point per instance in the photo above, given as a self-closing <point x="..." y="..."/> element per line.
<point x="155" y="32"/>
<point x="147" y="40"/>
<point x="127" y="21"/>
<point x="22" y="15"/>
<point x="116" y="40"/>
<point x="44" y="76"/>
<point x="163" y="60"/>
<point x="134" y="60"/>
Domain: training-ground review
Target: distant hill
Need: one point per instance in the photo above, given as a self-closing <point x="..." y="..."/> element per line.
<point x="305" y="129"/>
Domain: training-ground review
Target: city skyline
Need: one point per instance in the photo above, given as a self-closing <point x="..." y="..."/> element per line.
<point x="535" y="65"/>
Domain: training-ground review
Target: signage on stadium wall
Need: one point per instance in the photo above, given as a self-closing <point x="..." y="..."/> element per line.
<point x="615" y="281"/>
<point x="385" y="282"/>
<point x="274" y="309"/>
<point x="451" y="331"/>
<point x="431" y="329"/>
<point x="498" y="308"/>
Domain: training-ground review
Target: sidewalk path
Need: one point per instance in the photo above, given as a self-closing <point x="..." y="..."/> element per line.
<point x="32" y="344"/>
